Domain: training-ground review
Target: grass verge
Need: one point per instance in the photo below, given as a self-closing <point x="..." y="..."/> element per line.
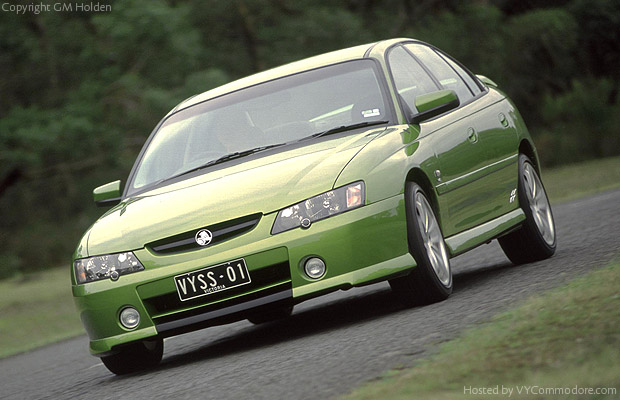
<point x="566" y="338"/>
<point x="570" y="182"/>
<point x="36" y="310"/>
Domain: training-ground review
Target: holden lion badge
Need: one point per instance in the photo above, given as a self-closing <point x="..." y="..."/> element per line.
<point x="203" y="237"/>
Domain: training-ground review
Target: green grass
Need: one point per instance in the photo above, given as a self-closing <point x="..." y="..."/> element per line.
<point x="36" y="310"/>
<point x="566" y="338"/>
<point x="573" y="181"/>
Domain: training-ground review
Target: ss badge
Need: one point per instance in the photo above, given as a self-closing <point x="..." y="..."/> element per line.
<point x="513" y="195"/>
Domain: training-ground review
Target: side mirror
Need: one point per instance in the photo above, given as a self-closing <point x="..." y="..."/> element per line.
<point x="432" y="104"/>
<point x="108" y="194"/>
<point x="487" y="81"/>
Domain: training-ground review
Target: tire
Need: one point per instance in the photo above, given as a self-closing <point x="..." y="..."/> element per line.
<point x="431" y="280"/>
<point x="271" y="315"/>
<point x="536" y="239"/>
<point x="135" y="357"/>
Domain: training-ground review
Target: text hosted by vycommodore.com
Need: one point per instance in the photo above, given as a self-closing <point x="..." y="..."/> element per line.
<point x="533" y="390"/>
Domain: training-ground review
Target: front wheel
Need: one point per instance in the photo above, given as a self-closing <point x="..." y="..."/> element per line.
<point x="535" y="240"/>
<point x="135" y="357"/>
<point x="431" y="280"/>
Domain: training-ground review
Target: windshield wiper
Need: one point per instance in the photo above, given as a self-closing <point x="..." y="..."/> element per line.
<point x="348" y="128"/>
<point x="226" y="157"/>
<point x="239" y="154"/>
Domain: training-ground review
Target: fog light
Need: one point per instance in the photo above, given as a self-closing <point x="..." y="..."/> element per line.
<point x="315" y="268"/>
<point x="130" y="318"/>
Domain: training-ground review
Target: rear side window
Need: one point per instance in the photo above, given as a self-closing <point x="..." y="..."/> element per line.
<point x="447" y="77"/>
<point x="410" y="78"/>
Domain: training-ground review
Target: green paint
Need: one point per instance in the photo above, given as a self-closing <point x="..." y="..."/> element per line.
<point x="433" y="100"/>
<point x="108" y="191"/>
<point x="468" y="181"/>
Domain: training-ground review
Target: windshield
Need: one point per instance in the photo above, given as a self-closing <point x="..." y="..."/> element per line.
<point x="281" y="111"/>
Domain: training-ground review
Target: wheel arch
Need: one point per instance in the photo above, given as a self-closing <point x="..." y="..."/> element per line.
<point x="418" y="176"/>
<point x="527" y="148"/>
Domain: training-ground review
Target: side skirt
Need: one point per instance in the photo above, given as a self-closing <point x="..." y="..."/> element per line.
<point x="488" y="231"/>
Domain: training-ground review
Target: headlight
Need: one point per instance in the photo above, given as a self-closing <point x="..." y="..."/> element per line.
<point x="107" y="266"/>
<point x="319" y="207"/>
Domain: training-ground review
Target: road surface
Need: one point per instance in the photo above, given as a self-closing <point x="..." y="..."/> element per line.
<point x="331" y="344"/>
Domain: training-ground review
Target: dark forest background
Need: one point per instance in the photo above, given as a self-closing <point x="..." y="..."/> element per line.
<point x="81" y="91"/>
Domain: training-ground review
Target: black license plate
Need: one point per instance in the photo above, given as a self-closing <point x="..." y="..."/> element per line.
<point x="211" y="280"/>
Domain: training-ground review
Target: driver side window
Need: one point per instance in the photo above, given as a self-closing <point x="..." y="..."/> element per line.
<point x="448" y="78"/>
<point x="410" y="78"/>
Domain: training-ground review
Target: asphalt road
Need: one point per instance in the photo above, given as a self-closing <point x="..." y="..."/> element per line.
<point x="331" y="344"/>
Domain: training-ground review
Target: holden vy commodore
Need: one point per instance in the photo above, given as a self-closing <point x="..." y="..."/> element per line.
<point x="377" y="162"/>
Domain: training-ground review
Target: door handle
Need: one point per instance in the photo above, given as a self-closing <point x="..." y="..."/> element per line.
<point x="503" y="120"/>
<point x="472" y="135"/>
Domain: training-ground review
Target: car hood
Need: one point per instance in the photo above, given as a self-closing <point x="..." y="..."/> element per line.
<point x="266" y="183"/>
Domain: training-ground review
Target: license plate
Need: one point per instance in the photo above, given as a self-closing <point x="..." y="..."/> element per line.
<point x="212" y="279"/>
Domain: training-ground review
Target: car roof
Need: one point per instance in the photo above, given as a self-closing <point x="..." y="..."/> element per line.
<point x="371" y="50"/>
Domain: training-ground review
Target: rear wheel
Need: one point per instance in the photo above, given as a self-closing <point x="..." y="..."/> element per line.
<point x="135" y="357"/>
<point x="535" y="240"/>
<point x="431" y="280"/>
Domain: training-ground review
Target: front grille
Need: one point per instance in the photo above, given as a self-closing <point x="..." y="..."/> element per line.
<point x="264" y="281"/>
<point x="221" y="232"/>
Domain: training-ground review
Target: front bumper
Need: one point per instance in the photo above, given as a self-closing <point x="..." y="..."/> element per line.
<point x="361" y="246"/>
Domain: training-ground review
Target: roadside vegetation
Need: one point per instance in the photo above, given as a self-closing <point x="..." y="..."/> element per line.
<point x="81" y="91"/>
<point x="572" y="181"/>
<point x="567" y="338"/>
<point x="35" y="310"/>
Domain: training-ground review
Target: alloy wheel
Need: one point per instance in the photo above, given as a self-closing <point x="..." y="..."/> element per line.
<point x="433" y="240"/>
<point x="539" y="204"/>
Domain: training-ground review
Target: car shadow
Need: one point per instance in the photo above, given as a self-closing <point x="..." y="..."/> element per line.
<point x="468" y="279"/>
<point x="321" y="318"/>
<point x="333" y="315"/>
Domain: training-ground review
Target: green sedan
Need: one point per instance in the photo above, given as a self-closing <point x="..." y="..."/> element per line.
<point x="372" y="163"/>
